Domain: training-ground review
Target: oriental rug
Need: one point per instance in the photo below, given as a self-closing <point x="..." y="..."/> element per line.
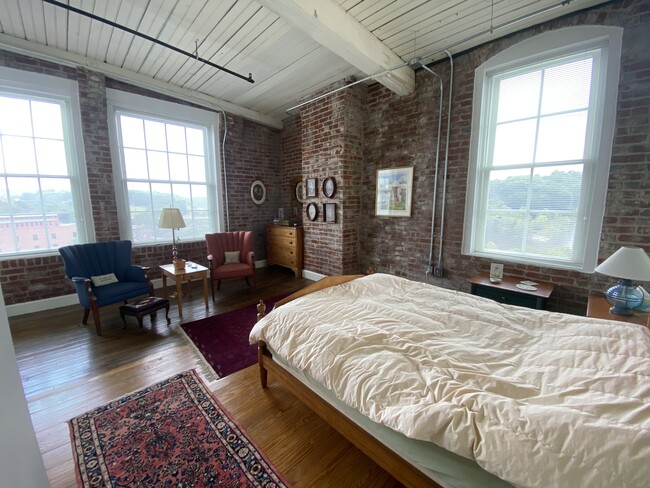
<point x="174" y="433"/>
<point x="223" y="339"/>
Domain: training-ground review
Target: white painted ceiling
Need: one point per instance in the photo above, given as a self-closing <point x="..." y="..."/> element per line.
<point x="292" y="48"/>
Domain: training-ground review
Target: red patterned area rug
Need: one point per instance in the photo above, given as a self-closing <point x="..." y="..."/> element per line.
<point x="174" y="433"/>
<point x="223" y="339"/>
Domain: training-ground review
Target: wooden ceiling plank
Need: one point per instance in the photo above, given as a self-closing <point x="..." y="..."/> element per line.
<point x="33" y="21"/>
<point x="152" y="20"/>
<point x="283" y="47"/>
<point x="209" y="18"/>
<point x="11" y="19"/>
<point x="363" y="10"/>
<point x="283" y="51"/>
<point x="107" y="31"/>
<point x="50" y="28"/>
<point x="79" y="27"/>
<point x="395" y="11"/>
<point x="129" y="15"/>
<point x="331" y="26"/>
<point x="241" y="52"/>
<point x="178" y="24"/>
<point x="218" y="44"/>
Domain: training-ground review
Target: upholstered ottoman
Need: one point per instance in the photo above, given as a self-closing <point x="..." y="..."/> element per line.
<point x="147" y="306"/>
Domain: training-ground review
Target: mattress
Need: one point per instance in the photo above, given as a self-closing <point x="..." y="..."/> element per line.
<point x="533" y="397"/>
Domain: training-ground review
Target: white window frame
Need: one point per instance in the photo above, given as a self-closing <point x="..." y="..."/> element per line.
<point x="65" y="91"/>
<point x="548" y="46"/>
<point x="119" y="102"/>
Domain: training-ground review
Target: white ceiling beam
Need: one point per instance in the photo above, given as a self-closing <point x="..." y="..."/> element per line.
<point x="330" y="25"/>
<point x="21" y="46"/>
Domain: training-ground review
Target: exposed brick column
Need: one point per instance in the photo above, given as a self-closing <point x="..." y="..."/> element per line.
<point x="332" y="145"/>
<point x="94" y="122"/>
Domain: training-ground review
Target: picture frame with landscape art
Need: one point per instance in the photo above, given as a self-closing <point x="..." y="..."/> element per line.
<point x="394" y="190"/>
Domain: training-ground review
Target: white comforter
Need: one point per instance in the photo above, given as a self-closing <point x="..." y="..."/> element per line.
<point x="539" y="399"/>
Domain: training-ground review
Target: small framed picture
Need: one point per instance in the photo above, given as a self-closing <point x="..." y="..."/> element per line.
<point x="329" y="187"/>
<point x="311" y="187"/>
<point x="312" y="211"/>
<point x="258" y="192"/>
<point x="329" y="213"/>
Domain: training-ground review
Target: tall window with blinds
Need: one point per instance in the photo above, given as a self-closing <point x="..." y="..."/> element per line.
<point x="539" y="169"/>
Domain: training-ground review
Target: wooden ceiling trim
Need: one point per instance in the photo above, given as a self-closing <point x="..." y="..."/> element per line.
<point x="328" y="24"/>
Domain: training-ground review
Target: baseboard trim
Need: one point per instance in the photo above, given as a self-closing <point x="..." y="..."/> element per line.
<point x="312" y="275"/>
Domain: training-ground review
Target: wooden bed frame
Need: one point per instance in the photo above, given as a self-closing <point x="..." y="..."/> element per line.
<point x="396" y="465"/>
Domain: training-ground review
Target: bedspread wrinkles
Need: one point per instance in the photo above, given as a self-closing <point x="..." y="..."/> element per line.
<point x="536" y="398"/>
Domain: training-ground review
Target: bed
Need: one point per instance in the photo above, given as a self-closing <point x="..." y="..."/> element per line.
<point x="442" y="388"/>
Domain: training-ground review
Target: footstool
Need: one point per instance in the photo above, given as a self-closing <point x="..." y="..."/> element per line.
<point x="149" y="305"/>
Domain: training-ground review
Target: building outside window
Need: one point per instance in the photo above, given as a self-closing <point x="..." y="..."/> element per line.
<point x="540" y="149"/>
<point x="42" y="182"/>
<point x="167" y="158"/>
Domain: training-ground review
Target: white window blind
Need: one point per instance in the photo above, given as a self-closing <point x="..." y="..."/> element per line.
<point x="539" y="172"/>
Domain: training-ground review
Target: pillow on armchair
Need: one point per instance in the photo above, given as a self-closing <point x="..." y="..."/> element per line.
<point x="231" y="257"/>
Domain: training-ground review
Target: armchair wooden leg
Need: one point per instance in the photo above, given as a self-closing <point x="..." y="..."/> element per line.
<point x="247" y="282"/>
<point x="218" y="284"/>
<point x="86" y="313"/>
<point x="212" y="287"/>
<point x="98" y="325"/>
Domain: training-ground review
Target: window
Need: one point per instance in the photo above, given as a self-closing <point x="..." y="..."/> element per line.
<point x="167" y="157"/>
<point x="542" y="133"/>
<point x="42" y="183"/>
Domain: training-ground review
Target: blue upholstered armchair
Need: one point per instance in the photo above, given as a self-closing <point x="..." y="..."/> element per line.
<point x="102" y="274"/>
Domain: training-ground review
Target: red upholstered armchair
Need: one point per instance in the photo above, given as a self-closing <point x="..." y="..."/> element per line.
<point x="230" y="255"/>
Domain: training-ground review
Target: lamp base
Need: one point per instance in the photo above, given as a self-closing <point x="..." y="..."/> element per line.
<point x="624" y="297"/>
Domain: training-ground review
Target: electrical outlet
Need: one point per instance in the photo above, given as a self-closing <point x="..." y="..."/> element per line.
<point x="429" y="270"/>
<point x="438" y="271"/>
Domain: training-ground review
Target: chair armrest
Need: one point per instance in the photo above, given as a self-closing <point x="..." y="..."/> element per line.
<point x="84" y="287"/>
<point x="250" y="259"/>
<point x="135" y="272"/>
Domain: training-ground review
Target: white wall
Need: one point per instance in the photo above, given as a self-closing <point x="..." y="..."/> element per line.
<point x="21" y="464"/>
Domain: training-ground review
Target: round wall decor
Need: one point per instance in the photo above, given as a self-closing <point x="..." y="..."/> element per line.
<point x="329" y="187"/>
<point x="300" y="191"/>
<point x="312" y="211"/>
<point x="258" y="192"/>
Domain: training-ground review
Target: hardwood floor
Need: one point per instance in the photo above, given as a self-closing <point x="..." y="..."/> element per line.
<point x="66" y="369"/>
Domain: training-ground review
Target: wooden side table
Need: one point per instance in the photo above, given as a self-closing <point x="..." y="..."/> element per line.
<point x="507" y="291"/>
<point x="191" y="272"/>
<point x="598" y="307"/>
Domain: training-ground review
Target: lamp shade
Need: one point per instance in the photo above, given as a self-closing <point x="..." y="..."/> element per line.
<point x="171" y="218"/>
<point x="630" y="263"/>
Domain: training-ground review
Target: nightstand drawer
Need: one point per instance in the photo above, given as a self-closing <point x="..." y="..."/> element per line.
<point x="504" y="296"/>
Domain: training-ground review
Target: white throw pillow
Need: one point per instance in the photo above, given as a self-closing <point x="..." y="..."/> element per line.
<point x="231" y="257"/>
<point x="106" y="279"/>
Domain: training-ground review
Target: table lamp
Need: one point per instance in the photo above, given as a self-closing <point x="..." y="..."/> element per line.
<point x="628" y="263"/>
<point x="171" y="218"/>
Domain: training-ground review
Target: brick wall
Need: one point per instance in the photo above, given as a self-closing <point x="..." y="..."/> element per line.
<point x="252" y="152"/>
<point x="400" y="131"/>
<point x="332" y="146"/>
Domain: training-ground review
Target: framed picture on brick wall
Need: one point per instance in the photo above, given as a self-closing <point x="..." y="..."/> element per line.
<point x="394" y="189"/>
<point x="311" y="187"/>
<point x="329" y="213"/>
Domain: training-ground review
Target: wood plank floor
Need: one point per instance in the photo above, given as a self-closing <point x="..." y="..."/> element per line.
<point x="66" y="369"/>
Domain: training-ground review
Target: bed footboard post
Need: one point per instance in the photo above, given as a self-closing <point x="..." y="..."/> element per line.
<point x="261" y="349"/>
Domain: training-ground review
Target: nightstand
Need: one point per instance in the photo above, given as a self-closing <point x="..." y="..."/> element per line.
<point x="507" y="292"/>
<point x="598" y="307"/>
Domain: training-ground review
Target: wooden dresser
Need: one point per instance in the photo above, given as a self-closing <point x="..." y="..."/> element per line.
<point x="284" y="247"/>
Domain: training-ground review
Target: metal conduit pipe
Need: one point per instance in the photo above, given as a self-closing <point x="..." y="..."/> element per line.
<point x="435" y="179"/>
<point x="444" y="181"/>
